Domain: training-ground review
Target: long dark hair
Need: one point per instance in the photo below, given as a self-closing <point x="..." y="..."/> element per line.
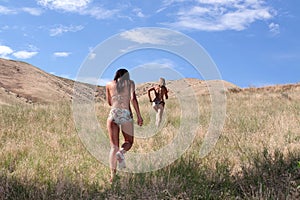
<point x="121" y="76"/>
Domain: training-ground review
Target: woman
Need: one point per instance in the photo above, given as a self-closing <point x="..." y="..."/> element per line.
<point x="119" y="93"/>
<point x="158" y="103"/>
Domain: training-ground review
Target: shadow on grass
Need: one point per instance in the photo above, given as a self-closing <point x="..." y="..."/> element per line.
<point x="266" y="176"/>
<point x="13" y="188"/>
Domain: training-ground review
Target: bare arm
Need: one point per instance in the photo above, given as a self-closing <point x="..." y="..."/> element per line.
<point x="135" y="104"/>
<point x="166" y="93"/>
<point x="108" y="96"/>
<point x="149" y="95"/>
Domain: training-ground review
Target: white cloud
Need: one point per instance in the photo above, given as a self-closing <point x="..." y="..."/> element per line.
<point x="32" y="47"/>
<point x="196" y="10"/>
<point x="65" y="5"/>
<point x="143" y="37"/>
<point x="217" y="1"/>
<point x="82" y="7"/>
<point x="92" y="56"/>
<point x="62" y="54"/>
<point x="99" y="13"/>
<point x="219" y="15"/>
<point x="150" y="36"/>
<point x="168" y="3"/>
<point x="9" y="11"/>
<point x="240" y="20"/>
<point x="6" y="11"/>
<point x="138" y="12"/>
<point x="5" y="51"/>
<point x="5" y="27"/>
<point x="33" y="11"/>
<point x="24" y="54"/>
<point x="274" y="28"/>
<point x="158" y="64"/>
<point x="64" y="29"/>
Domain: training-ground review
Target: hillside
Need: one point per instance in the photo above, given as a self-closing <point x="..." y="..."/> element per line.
<point x="48" y="153"/>
<point x="187" y="85"/>
<point x="21" y="82"/>
<point x="24" y="83"/>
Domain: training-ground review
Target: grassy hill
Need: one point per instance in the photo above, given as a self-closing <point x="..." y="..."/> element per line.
<point x="256" y="157"/>
<point x="22" y="83"/>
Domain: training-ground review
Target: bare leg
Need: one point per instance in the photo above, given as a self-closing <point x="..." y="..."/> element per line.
<point x="113" y="131"/>
<point x="127" y="131"/>
<point x="159" y="114"/>
<point x="155" y="107"/>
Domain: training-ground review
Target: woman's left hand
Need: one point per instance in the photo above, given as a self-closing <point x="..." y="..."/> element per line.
<point x="140" y="121"/>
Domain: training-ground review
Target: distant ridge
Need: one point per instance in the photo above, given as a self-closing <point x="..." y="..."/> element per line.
<point x="198" y="87"/>
<point x="21" y="82"/>
<point x="24" y="83"/>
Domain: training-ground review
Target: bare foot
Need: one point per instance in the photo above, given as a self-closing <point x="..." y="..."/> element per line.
<point x="111" y="180"/>
<point x="112" y="175"/>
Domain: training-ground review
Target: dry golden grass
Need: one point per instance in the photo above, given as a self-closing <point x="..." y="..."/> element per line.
<point x="257" y="155"/>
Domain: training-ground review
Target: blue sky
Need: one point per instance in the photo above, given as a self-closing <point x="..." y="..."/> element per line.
<point x="252" y="42"/>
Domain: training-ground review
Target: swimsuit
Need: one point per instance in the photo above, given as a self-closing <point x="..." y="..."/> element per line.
<point x="157" y="100"/>
<point x="120" y="115"/>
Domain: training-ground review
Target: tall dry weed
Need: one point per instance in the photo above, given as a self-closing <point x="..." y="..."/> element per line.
<point x="42" y="156"/>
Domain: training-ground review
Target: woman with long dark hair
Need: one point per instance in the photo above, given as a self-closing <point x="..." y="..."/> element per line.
<point x="119" y="93"/>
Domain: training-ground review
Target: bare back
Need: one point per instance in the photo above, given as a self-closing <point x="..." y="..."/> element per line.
<point x="160" y="92"/>
<point x="119" y="99"/>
